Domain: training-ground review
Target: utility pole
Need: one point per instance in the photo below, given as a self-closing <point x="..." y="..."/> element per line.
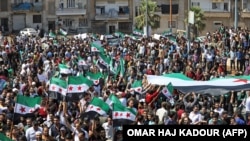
<point x="170" y="16"/>
<point x="146" y="18"/>
<point x="236" y="15"/>
<point x="188" y="28"/>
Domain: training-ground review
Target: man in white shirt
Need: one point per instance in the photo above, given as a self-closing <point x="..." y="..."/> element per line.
<point x="162" y="112"/>
<point x="31" y="132"/>
<point x="108" y="127"/>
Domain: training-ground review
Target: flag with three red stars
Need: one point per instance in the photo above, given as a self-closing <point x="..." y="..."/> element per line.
<point x="97" y="107"/>
<point x="58" y="85"/>
<point x="26" y="105"/>
<point x="167" y="91"/>
<point x="123" y="115"/>
<point x="78" y="84"/>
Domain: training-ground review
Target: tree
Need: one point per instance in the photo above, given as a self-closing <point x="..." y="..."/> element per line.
<point x="153" y="19"/>
<point x="199" y="19"/>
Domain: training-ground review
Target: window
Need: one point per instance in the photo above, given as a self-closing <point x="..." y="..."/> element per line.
<point x="173" y="24"/>
<point x="137" y="11"/>
<point x="165" y="9"/>
<point x="125" y="27"/>
<point x="4" y="5"/>
<point x="217" y="24"/>
<point x="70" y="3"/>
<point x="83" y="22"/>
<point x="100" y="10"/>
<point x="67" y="22"/>
<point x="225" y="6"/>
<point x="123" y="10"/>
<point x="215" y="5"/>
<point x="37" y="18"/>
<point x="195" y="4"/>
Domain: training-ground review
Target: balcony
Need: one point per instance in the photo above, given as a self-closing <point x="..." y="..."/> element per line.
<point x="112" y="17"/>
<point x="217" y="13"/>
<point x="77" y="10"/>
<point x="245" y="13"/>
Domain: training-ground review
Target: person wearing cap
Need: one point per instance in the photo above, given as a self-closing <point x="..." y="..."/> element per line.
<point x="31" y="132"/>
<point x="62" y="135"/>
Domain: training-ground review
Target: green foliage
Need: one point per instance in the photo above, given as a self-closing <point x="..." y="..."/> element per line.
<point x="199" y="20"/>
<point x="153" y="19"/>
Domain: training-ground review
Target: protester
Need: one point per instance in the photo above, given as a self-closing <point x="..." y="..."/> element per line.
<point x="119" y="69"/>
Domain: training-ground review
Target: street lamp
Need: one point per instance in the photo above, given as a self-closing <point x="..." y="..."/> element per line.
<point x="236" y="15"/>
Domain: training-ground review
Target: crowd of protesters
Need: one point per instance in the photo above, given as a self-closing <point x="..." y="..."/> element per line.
<point x="24" y="59"/>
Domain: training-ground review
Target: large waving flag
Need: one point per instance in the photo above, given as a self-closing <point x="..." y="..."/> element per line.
<point x="78" y="84"/>
<point x="216" y="86"/>
<point x="25" y="106"/>
<point x="97" y="107"/>
<point x="58" y="85"/>
<point x="123" y="115"/>
<point x="104" y="59"/>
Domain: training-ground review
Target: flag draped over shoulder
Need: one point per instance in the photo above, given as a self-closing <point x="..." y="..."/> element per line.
<point x="58" y="85"/>
<point x="4" y="138"/>
<point x="122" y="115"/>
<point x="217" y="86"/>
<point x="137" y="86"/>
<point x="97" y="107"/>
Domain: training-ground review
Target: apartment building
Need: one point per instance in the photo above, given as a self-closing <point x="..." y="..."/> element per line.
<point x="72" y="14"/>
<point x="179" y="9"/>
<point x="108" y="16"/>
<point x="219" y="12"/>
<point x="26" y="13"/>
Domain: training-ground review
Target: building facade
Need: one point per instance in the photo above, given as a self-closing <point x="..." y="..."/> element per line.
<point x="179" y="9"/>
<point x="108" y="16"/>
<point x="219" y="12"/>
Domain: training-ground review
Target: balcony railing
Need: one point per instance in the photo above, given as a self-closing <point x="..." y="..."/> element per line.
<point x="215" y="10"/>
<point x="111" y="17"/>
<point x="79" y="9"/>
<point x="245" y="13"/>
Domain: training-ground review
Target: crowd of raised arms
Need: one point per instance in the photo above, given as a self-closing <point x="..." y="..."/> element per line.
<point x="27" y="65"/>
